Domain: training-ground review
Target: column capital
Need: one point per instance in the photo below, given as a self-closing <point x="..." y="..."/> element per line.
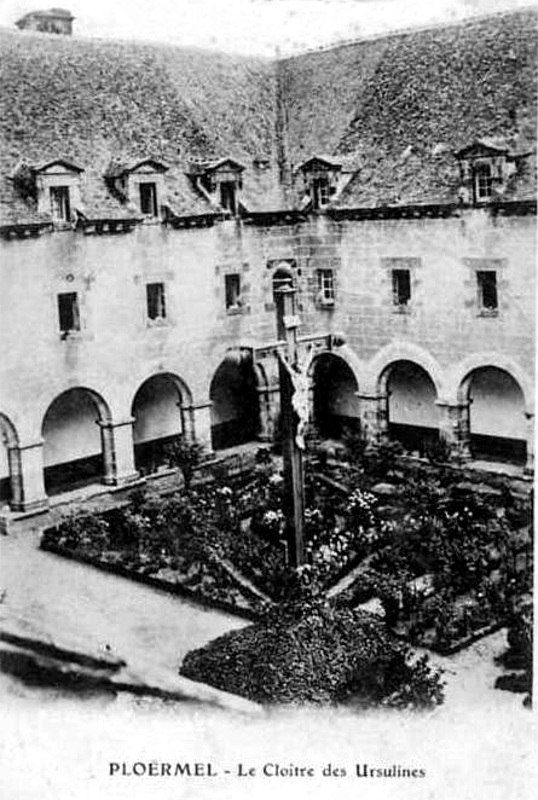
<point x="196" y="406"/>
<point x="109" y="423"/>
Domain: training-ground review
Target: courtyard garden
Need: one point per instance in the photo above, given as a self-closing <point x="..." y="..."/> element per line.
<point x="440" y="559"/>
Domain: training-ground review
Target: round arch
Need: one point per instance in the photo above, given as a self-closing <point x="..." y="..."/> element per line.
<point x="72" y="440"/>
<point x="234" y="395"/>
<point x="335" y="401"/>
<point x="496" y="413"/>
<point x="161" y="410"/>
<point x="9" y="440"/>
<point x="458" y="377"/>
<point x="403" y="351"/>
<point x="410" y="395"/>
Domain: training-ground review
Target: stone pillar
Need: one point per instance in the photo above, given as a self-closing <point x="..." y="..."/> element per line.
<point x="529" y="466"/>
<point x="187" y="421"/>
<point x="374" y="417"/>
<point x="118" y="452"/>
<point x="268" y="398"/>
<point x="27" y="478"/>
<point x="454" y="429"/>
<point x="201" y="419"/>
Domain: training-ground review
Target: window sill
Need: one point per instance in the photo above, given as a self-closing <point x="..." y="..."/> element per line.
<point x="235" y="311"/>
<point x="71" y="336"/>
<point x="159" y="322"/>
<point x="484" y="312"/>
<point x="325" y="305"/>
<point x="403" y="309"/>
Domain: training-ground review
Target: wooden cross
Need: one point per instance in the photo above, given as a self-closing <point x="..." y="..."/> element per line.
<point x="292" y="351"/>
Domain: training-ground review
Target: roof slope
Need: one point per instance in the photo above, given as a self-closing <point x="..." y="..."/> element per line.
<point x="402" y="104"/>
<point x="92" y="101"/>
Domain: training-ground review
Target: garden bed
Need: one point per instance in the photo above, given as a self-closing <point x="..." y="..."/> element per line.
<point x="446" y="558"/>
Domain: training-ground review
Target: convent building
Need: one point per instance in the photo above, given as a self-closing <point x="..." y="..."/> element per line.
<point x="153" y="199"/>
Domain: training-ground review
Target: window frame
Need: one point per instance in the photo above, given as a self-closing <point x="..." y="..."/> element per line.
<point x="60" y="203"/>
<point x="233" y="292"/>
<point x="401" y="280"/>
<point x="156" y="303"/>
<point x="72" y="311"/>
<point x="483" y="182"/>
<point x="151" y="188"/>
<point x="325" y="283"/>
<point x="483" y="278"/>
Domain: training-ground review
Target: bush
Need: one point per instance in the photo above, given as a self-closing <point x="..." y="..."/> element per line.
<point x="308" y="651"/>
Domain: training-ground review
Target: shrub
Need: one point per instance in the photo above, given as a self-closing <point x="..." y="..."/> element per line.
<point x="307" y="651"/>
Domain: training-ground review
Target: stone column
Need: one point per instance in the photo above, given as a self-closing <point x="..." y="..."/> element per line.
<point x="187" y="421"/>
<point x="118" y="452"/>
<point x="454" y="429"/>
<point x="529" y="466"/>
<point x="27" y="478"/>
<point x="374" y="417"/>
<point x="201" y="423"/>
<point x="268" y="398"/>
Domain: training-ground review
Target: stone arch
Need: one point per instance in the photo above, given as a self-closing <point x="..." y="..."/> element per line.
<point x="410" y="395"/>
<point x="335" y="405"/>
<point x="161" y="411"/>
<point x="72" y="439"/>
<point x="404" y="351"/>
<point x="495" y="406"/>
<point x="9" y="461"/>
<point x="235" y="401"/>
<point x="456" y="383"/>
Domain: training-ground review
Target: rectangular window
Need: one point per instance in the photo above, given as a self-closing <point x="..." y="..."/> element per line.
<point x="483" y="182"/>
<point x="232" y="285"/>
<point x="401" y="287"/>
<point x="156" y="301"/>
<point x="59" y="203"/>
<point x="227" y="196"/>
<point x="320" y="192"/>
<point x="325" y="294"/>
<point x="68" y="312"/>
<point x="487" y="290"/>
<point x="148" y="199"/>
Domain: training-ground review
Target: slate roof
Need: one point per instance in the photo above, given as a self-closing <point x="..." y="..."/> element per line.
<point x="404" y="103"/>
<point x="94" y="102"/>
<point x="394" y="110"/>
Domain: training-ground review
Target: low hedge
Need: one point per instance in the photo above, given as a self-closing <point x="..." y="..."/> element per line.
<point x="315" y="653"/>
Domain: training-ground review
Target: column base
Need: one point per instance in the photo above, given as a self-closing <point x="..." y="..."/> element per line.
<point x="121" y="480"/>
<point x="31" y="507"/>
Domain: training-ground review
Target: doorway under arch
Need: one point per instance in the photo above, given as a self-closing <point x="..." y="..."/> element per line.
<point x="72" y="441"/>
<point x="158" y="419"/>
<point x="336" y="405"/>
<point x="412" y="414"/>
<point x="235" y="409"/>
<point x="8" y="442"/>
<point x="497" y="423"/>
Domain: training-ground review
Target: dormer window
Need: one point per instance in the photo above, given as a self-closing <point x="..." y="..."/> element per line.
<point x="485" y="167"/>
<point x="148" y="199"/>
<point x="483" y="182"/>
<point x="220" y="182"/>
<point x="320" y="180"/>
<point x="57" y="189"/>
<point x="140" y="185"/>
<point x="227" y="196"/>
<point x="60" y="204"/>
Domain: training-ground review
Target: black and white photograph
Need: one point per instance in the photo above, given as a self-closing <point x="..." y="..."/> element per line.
<point x="267" y="325"/>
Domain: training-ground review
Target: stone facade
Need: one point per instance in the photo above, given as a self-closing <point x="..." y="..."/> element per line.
<point x="129" y="323"/>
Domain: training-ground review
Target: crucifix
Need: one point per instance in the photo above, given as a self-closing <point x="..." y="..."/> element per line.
<point x="292" y="352"/>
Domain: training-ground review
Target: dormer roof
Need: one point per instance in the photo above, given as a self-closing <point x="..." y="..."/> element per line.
<point x="481" y="148"/>
<point x="319" y="163"/>
<point x="69" y="166"/>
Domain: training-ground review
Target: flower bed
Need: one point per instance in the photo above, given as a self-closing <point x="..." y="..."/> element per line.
<point x="446" y="562"/>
